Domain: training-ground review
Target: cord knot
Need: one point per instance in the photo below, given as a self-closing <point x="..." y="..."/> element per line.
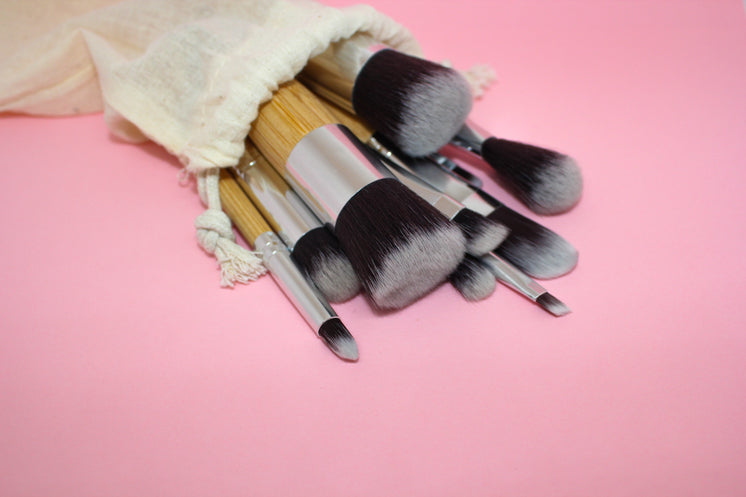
<point x="212" y="225"/>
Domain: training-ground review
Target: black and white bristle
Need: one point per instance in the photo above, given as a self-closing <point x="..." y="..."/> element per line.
<point x="339" y="339"/>
<point x="416" y="103"/>
<point x="482" y="234"/>
<point x="473" y="280"/>
<point x="320" y="256"/>
<point x="547" y="182"/>
<point x="531" y="247"/>
<point x="399" y="245"/>
<point x="552" y="304"/>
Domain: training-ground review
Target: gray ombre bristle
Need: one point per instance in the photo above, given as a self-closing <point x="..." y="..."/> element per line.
<point x="558" y="186"/>
<point x="531" y="247"/>
<point x="400" y="246"/>
<point x="552" y="304"/>
<point x="483" y="235"/>
<point x="546" y="181"/>
<point x="320" y="256"/>
<point x="416" y="103"/>
<point x="339" y="339"/>
<point x="423" y="128"/>
<point x="473" y="280"/>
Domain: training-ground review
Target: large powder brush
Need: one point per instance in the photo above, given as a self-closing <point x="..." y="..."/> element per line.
<point x="399" y="246"/>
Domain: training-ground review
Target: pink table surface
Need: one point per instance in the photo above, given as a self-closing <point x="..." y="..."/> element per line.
<point x="125" y="370"/>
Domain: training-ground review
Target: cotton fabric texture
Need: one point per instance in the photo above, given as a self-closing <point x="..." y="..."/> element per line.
<point x="187" y="74"/>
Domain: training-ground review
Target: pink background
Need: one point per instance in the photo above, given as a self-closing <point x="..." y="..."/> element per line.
<point x="125" y="370"/>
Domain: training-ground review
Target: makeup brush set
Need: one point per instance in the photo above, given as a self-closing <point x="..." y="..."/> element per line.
<point x="343" y="189"/>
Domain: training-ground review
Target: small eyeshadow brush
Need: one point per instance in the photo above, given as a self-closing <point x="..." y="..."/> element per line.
<point x="300" y="291"/>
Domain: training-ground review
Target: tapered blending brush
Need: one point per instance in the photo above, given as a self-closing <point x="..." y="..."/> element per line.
<point x="312" y="245"/>
<point x="276" y="257"/>
<point x="531" y="247"/>
<point x="482" y="234"/>
<point x="418" y="104"/>
<point x="546" y="181"/>
<point x="399" y="245"/>
<point x="473" y="279"/>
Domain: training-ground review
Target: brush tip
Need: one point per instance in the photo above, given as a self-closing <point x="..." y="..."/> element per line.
<point x="473" y="280"/>
<point x="339" y="339"/>
<point x="552" y="304"/>
<point x="416" y="103"/>
<point x="558" y="187"/>
<point x="533" y="248"/>
<point x="319" y="255"/>
<point x="483" y="235"/>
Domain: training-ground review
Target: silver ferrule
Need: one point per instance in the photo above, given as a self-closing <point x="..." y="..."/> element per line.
<point x="512" y="276"/>
<point x="337" y="68"/>
<point x="328" y="166"/>
<point x="435" y="178"/>
<point x="309" y="302"/>
<point x="445" y="205"/>
<point x="292" y="217"/>
<point x="470" y="137"/>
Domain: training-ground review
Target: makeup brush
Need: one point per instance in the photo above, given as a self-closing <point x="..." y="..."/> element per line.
<point x="546" y="181"/>
<point x="312" y="245"/>
<point x="531" y="247"/>
<point x="399" y="245"/>
<point x="418" y="104"/>
<point x="275" y="256"/>
<point x="482" y="234"/>
<point x="515" y="279"/>
<point x="473" y="279"/>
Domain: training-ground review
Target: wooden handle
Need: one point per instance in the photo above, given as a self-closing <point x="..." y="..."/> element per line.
<point x="359" y="128"/>
<point x="239" y="208"/>
<point x="282" y="122"/>
<point x="256" y="161"/>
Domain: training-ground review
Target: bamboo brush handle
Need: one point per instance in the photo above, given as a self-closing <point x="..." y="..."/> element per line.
<point x="359" y="128"/>
<point x="282" y="122"/>
<point x="253" y="159"/>
<point x="239" y="208"/>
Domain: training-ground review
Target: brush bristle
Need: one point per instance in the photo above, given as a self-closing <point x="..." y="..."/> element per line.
<point x="339" y="339"/>
<point x="546" y="181"/>
<point x="473" y="280"/>
<point x="416" y="103"/>
<point x="483" y="235"/>
<point x="320" y="256"/>
<point x="398" y="244"/>
<point x="552" y="304"/>
<point x="534" y="249"/>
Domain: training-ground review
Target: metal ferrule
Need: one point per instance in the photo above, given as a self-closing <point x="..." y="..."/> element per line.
<point x="470" y="137"/>
<point x="337" y="68"/>
<point x="314" y="308"/>
<point x="328" y="166"/>
<point x="435" y="178"/>
<point x="513" y="277"/>
<point x="445" y="205"/>
<point x="292" y="218"/>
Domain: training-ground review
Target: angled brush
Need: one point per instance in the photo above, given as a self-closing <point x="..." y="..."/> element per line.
<point x="399" y="245"/>
<point x="418" y="104"/>
<point x="546" y="181"/>
<point x="275" y="256"/>
<point x="313" y="246"/>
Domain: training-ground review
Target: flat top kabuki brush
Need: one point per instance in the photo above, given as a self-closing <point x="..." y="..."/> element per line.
<point x="313" y="246"/>
<point x="399" y="245"/>
<point x="276" y="258"/>
<point x="546" y="181"/>
<point x="418" y="104"/>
